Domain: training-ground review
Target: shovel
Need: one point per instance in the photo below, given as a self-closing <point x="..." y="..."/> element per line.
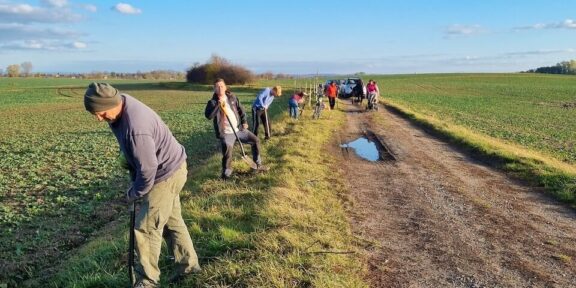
<point x="132" y="209"/>
<point x="267" y="123"/>
<point x="244" y="157"/>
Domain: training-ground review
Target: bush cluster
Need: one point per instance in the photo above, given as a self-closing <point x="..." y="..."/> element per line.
<point x="218" y="67"/>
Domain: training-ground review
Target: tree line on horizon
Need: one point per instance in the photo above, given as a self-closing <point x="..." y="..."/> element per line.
<point x="564" y="67"/>
<point x="215" y="67"/>
<point x="25" y="70"/>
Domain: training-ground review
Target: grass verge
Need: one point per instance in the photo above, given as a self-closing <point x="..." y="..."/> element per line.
<point x="285" y="228"/>
<point x="557" y="178"/>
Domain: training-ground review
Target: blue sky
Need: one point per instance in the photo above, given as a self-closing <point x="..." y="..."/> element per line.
<point x="296" y="36"/>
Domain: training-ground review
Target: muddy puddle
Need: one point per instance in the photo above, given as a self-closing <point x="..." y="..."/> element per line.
<point x="369" y="147"/>
<point x="364" y="148"/>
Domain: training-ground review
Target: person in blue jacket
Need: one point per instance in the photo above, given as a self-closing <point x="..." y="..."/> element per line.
<point x="260" y="109"/>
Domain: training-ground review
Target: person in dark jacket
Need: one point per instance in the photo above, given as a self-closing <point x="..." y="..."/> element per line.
<point x="223" y="128"/>
<point x="158" y="170"/>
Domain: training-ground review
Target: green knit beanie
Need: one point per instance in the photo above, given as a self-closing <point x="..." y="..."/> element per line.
<point x="101" y="97"/>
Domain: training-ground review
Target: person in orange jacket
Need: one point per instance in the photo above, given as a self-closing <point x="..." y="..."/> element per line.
<point x="331" y="92"/>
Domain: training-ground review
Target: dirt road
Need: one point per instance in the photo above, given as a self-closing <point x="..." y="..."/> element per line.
<point x="437" y="218"/>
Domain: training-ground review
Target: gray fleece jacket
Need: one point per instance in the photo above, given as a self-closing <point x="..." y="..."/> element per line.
<point x="148" y="145"/>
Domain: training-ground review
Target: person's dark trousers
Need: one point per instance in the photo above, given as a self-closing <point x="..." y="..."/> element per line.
<point x="257" y="116"/>
<point x="227" y="142"/>
<point x="332" y="101"/>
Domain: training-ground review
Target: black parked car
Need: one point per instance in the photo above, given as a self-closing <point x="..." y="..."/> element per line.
<point x="353" y="87"/>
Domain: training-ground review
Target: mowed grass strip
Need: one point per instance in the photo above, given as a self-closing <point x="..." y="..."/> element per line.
<point x="284" y="228"/>
<point x="523" y="123"/>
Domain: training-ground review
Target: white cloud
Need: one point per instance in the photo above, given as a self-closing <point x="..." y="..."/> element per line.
<point x="535" y="26"/>
<point x="24" y="13"/>
<point x="90" y="7"/>
<point x="79" y="45"/>
<point x="566" y="24"/>
<point x="463" y="30"/>
<point x="126" y="9"/>
<point x="28" y="27"/>
<point x="18" y="8"/>
<point x="27" y="45"/>
<point x="55" y="3"/>
<point x="15" y="31"/>
<point x="14" y="36"/>
<point x="506" y="58"/>
<point x="569" y="24"/>
<point x="540" y="52"/>
<point x="43" y="45"/>
<point x="34" y="45"/>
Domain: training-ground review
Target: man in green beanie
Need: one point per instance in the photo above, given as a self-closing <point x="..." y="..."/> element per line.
<point x="158" y="163"/>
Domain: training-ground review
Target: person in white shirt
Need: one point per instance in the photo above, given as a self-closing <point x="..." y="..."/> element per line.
<point x="224" y="128"/>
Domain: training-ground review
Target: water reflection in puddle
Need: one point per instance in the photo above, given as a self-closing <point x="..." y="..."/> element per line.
<point x="364" y="148"/>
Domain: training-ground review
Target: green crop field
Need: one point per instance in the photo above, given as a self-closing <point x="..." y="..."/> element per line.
<point x="526" y="121"/>
<point x="57" y="164"/>
<point x="534" y="111"/>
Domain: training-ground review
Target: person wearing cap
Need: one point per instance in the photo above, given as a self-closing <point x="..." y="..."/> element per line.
<point x="293" y="103"/>
<point x="260" y="109"/>
<point x="228" y="121"/>
<point x="158" y="165"/>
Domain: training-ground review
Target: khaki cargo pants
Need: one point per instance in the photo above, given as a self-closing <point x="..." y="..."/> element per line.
<point x="160" y="212"/>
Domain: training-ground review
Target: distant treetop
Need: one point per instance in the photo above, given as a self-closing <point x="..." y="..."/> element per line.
<point x="565" y="67"/>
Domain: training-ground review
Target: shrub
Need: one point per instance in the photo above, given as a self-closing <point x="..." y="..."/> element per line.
<point x="218" y="67"/>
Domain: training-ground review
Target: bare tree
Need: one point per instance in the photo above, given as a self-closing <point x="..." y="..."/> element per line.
<point x="13" y="70"/>
<point x="26" y="68"/>
<point x="572" y="67"/>
<point x="267" y="75"/>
